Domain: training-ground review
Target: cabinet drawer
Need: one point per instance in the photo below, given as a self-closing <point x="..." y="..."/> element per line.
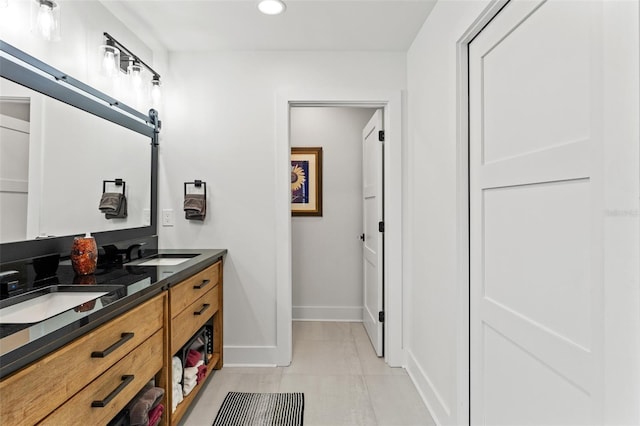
<point x="192" y="318"/>
<point x="189" y="290"/>
<point x="35" y="391"/>
<point x="113" y="389"/>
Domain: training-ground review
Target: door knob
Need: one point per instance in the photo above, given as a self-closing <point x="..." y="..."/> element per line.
<point x="362" y="237"/>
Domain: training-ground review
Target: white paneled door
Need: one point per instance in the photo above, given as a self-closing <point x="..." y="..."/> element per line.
<point x="14" y="177"/>
<point x="536" y="203"/>
<point x="372" y="247"/>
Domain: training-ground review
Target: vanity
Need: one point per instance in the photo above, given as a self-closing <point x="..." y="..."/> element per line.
<point x="89" y="364"/>
<point x="81" y="349"/>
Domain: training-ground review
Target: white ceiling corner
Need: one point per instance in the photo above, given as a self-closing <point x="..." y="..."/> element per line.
<point x="329" y="25"/>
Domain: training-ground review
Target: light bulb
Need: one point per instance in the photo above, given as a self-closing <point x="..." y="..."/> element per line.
<point x="156" y="93"/>
<point x="271" y="7"/>
<point x="108" y="63"/>
<point x="110" y="60"/>
<point x="135" y="73"/>
<point x="46" y="22"/>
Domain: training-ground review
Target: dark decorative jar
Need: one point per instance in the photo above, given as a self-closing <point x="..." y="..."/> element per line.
<point x="84" y="255"/>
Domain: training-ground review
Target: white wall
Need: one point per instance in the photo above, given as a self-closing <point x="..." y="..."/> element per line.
<point x="220" y="127"/>
<point x="82" y="25"/>
<point x="326" y="252"/>
<point x="431" y="274"/>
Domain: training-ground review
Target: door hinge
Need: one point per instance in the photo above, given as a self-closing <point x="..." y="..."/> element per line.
<point x="381" y="135"/>
<point x="380" y="226"/>
<point x="381" y="316"/>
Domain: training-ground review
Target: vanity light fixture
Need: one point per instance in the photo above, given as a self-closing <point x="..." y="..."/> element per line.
<point x="45" y="19"/>
<point x="272" y="7"/>
<point x="116" y="57"/>
<point x="110" y="56"/>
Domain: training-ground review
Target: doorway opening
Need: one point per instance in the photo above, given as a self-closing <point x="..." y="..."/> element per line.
<point x="327" y="250"/>
<point x="390" y="103"/>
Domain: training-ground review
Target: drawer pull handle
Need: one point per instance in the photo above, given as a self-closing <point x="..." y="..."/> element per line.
<point x="123" y="338"/>
<point x="125" y="381"/>
<point x="204" y="308"/>
<point x="199" y="286"/>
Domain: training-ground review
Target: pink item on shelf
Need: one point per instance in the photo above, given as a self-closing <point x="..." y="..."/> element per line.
<point x="192" y="358"/>
<point x="156" y="414"/>
<point x="202" y="372"/>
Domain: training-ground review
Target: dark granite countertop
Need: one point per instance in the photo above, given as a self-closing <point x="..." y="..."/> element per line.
<point x="21" y="344"/>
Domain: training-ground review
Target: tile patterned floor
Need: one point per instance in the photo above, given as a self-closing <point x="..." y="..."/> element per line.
<point x="343" y="381"/>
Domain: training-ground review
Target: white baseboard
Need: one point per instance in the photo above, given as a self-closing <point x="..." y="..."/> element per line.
<point x="436" y="405"/>
<point x="327" y="313"/>
<point x="246" y="356"/>
<point x="226" y="364"/>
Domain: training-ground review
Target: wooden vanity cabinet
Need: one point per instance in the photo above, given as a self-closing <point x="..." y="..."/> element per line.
<point x="193" y="303"/>
<point x="111" y="364"/>
<point x="61" y="387"/>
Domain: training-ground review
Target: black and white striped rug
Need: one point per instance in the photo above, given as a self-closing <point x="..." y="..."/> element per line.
<point x="261" y="409"/>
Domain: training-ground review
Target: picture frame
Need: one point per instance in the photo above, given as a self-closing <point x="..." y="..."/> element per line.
<point x="306" y="181"/>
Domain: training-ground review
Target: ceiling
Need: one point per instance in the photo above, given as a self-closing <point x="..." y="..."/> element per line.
<point x="336" y="25"/>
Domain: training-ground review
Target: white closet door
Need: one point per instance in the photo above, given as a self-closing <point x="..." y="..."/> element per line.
<point x="536" y="216"/>
<point x="372" y="246"/>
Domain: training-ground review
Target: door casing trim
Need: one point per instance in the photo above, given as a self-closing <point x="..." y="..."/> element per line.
<point x="391" y="102"/>
<point x="463" y="356"/>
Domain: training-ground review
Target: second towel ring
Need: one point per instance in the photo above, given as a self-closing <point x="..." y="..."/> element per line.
<point x="117" y="181"/>
<point x="198" y="184"/>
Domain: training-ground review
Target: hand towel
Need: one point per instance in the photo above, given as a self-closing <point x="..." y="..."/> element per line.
<point x="155" y="415"/>
<point x="176" y="396"/>
<point x="109" y="202"/>
<point x="190" y="373"/>
<point x="176" y="370"/>
<point x="121" y="213"/>
<point x="193" y="357"/>
<point x="113" y="205"/>
<point x="202" y="372"/>
<point x="188" y="386"/>
<point x="195" y="206"/>
<point x="140" y="410"/>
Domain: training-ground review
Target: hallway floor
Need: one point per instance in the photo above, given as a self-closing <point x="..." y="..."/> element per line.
<point x="343" y="381"/>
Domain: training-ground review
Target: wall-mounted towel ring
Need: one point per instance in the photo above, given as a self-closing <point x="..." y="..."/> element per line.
<point x="198" y="184"/>
<point x="117" y="182"/>
<point x="195" y="205"/>
<point x="113" y="204"/>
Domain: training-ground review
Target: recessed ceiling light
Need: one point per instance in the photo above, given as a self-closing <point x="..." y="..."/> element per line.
<point x="271" y="7"/>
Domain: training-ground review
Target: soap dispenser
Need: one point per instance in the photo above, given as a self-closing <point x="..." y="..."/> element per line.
<point x="84" y="255"/>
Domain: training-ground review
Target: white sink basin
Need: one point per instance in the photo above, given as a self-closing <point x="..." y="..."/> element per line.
<point x="165" y="261"/>
<point x="42" y="307"/>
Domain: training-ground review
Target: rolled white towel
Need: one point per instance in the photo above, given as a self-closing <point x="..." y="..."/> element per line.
<point x="190" y="373"/>
<point x="176" y="370"/>
<point x="177" y="396"/>
<point x="188" y="386"/>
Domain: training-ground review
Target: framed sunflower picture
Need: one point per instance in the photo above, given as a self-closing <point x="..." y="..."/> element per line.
<point x="306" y="181"/>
